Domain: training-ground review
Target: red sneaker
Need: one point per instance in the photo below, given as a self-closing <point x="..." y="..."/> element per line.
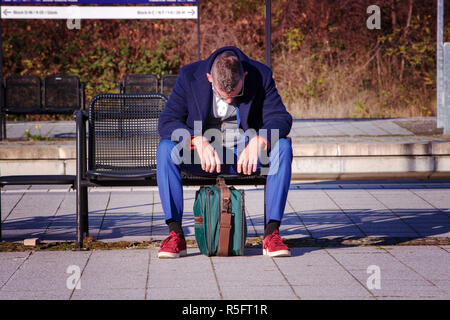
<point x="173" y="247"/>
<point x="273" y="246"/>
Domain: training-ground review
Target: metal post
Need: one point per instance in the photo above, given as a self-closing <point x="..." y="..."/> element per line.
<point x="440" y="111"/>
<point x="2" y="97"/>
<point x="268" y="15"/>
<point x="81" y="191"/>
<point x="198" y="30"/>
<point x="446" y="86"/>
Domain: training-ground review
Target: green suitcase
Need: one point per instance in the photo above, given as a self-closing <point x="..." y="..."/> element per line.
<point x="219" y="217"/>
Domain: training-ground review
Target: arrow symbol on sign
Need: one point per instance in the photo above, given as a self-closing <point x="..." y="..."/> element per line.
<point x="6" y="12"/>
<point x="192" y="12"/>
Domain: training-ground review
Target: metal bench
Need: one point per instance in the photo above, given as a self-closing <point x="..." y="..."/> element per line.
<point x="22" y="95"/>
<point x="34" y="180"/>
<point x="147" y="83"/>
<point x="63" y="94"/>
<point x="167" y="83"/>
<point x="120" y="149"/>
<point x="138" y="83"/>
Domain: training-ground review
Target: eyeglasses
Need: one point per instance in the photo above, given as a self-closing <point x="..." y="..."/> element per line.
<point x="240" y="94"/>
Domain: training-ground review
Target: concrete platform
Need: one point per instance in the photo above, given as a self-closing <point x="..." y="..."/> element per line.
<point x="340" y="234"/>
<point x="366" y="239"/>
<point x="311" y="274"/>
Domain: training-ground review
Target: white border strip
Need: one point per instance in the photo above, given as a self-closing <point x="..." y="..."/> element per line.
<point x="107" y="12"/>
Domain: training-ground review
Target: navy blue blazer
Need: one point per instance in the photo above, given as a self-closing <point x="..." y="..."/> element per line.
<point x="259" y="108"/>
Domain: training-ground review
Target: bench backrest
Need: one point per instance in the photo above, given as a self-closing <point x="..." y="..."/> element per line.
<point x="62" y="93"/>
<point x="22" y="94"/>
<point x="167" y="83"/>
<point x="123" y="132"/>
<point x="140" y="83"/>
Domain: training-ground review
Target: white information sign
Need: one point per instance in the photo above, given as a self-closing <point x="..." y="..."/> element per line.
<point x="103" y="12"/>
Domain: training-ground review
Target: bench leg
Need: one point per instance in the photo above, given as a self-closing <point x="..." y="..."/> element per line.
<point x="2" y="126"/>
<point x="82" y="216"/>
<point x="85" y="211"/>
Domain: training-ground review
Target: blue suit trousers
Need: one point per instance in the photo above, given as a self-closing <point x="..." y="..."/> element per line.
<point x="170" y="166"/>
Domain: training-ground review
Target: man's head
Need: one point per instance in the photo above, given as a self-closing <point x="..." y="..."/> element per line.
<point x="227" y="76"/>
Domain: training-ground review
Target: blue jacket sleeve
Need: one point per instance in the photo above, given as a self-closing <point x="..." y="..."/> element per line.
<point x="175" y="113"/>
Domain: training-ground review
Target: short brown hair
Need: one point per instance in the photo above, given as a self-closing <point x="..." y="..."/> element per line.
<point x="227" y="71"/>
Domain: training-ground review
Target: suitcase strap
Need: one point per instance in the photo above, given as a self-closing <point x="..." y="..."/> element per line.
<point x="225" y="217"/>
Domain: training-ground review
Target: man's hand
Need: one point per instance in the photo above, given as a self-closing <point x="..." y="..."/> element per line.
<point x="248" y="161"/>
<point x="208" y="155"/>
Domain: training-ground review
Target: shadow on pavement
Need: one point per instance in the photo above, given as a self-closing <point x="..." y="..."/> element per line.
<point x="307" y="229"/>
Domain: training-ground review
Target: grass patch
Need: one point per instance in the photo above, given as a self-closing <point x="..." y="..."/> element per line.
<point x="252" y="242"/>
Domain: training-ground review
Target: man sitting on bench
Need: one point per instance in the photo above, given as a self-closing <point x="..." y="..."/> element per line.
<point x="234" y="97"/>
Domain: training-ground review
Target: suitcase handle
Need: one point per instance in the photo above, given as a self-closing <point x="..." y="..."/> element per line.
<point x="225" y="217"/>
<point x="220" y="182"/>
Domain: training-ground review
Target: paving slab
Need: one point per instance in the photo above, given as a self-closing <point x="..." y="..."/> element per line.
<point x="189" y="278"/>
<point x="107" y="276"/>
<point x="251" y="271"/>
<point x="311" y="273"/>
<point x="60" y="227"/>
<point x="128" y="217"/>
<point x="27" y="220"/>
<point x="43" y="275"/>
<point x="10" y="262"/>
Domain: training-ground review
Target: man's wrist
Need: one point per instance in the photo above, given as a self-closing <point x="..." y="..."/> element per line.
<point x="197" y="139"/>
<point x="262" y="142"/>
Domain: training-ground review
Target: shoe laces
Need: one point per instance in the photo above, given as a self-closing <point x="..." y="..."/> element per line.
<point x="276" y="239"/>
<point x="172" y="240"/>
